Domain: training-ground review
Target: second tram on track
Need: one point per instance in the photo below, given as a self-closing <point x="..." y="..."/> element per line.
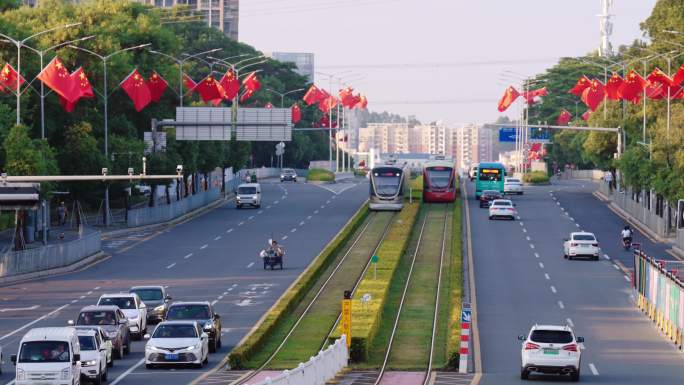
<point x="439" y="181"/>
<point x="387" y="186"/>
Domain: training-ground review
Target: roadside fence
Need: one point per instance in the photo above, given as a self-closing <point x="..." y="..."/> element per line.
<point x="660" y="295"/>
<point x="150" y="215"/>
<point x="318" y="370"/>
<point x="51" y="256"/>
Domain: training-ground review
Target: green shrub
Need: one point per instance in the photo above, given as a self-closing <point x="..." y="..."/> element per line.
<point x="536" y="177"/>
<point x="360" y="172"/>
<point x="366" y="317"/>
<point x="320" y="175"/>
<point x="256" y="339"/>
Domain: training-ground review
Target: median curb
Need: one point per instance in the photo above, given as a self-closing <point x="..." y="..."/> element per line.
<point x="630" y="219"/>
<point x="49" y="273"/>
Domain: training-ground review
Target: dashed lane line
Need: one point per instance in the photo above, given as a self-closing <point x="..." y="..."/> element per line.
<point x="229" y="231"/>
<point x="616" y="267"/>
<point x="15" y="331"/>
<point x="260" y="212"/>
<point x="541" y="264"/>
<point x="301" y="223"/>
<point x="528" y="238"/>
<point x="315" y="211"/>
<point x="293" y="230"/>
<point x="553" y="289"/>
<point x="127" y="372"/>
<point x="217" y="238"/>
<point x="250" y="265"/>
<point x="284" y="237"/>
<point x="593" y="369"/>
<point x="536" y="255"/>
<point x="524" y="230"/>
<point x="241" y="223"/>
<point x="188" y="256"/>
<point x="605" y="256"/>
<point x="276" y="202"/>
<point x="569" y="322"/>
<point x="171" y="265"/>
<point x="628" y="279"/>
<point x="214" y="302"/>
<point x="546" y="275"/>
<point x="250" y="217"/>
<point x="204" y="246"/>
<point x="308" y="218"/>
<point x="531" y="246"/>
<point x="561" y="305"/>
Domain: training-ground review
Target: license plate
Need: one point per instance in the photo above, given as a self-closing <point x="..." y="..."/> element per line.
<point x="172" y="357"/>
<point x="585" y="246"/>
<point x="552" y="352"/>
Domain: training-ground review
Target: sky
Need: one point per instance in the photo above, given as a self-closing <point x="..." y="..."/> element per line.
<point x="443" y="60"/>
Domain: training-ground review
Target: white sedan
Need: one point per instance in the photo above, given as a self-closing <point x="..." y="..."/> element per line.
<point x="581" y="245"/>
<point x="551" y="349"/>
<point x="134" y="309"/>
<point x="176" y="343"/>
<point x="513" y="186"/>
<point x="502" y="208"/>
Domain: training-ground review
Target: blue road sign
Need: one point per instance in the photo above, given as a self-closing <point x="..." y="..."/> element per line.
<point x="466" y="315"/>
<point x="507" y="134"/>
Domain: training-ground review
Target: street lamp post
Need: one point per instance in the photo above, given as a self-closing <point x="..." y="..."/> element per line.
<point x="283" y="94"/>
<point x="180" y="63"/>
<point x="19" y="44"/>
<point x="105" y="96"/>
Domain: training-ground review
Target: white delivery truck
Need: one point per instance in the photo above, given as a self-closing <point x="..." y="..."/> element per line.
<point x="48" y="356"/>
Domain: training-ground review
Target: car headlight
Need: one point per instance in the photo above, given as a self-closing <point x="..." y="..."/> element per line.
<point x="21" y="374"/>
<point x="159" y="308"/>
<point x="196" y="346"/>
<point x="89" y="363"/>
<point x="282" y="176"/>
<point x="153" y="348"/>
<point x="66" y="372"/>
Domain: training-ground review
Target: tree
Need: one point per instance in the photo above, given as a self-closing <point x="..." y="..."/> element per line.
<point x="25" y="156"/>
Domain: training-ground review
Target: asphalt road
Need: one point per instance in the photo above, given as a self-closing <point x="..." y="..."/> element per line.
<point x="212" y="257"/>
<point x="521" y="279"/>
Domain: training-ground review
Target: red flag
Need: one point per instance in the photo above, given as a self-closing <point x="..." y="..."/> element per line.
<point x="508" y="98"/>
<point x="530" y="95"/>
<point x="157" y="86"/>
<point x="296" y="113"/>
<point x="594" y="95"/>
<point x="56" y="77"/>
<point x="137" y="89"/>
<point x="210" y="89"/>
<point x="679" y="76"/>
<point x="251" y="82"/>
<point x="347" y="97"/>
<point x="230" y="84"/>
<point x="327" y="104"/>
<point x="8" y="78"/>
<point x="313" y="95"/>
<point x="268" y="105"/>
<point x="582" y="84"/>
<point x="189" y="83"/>
<point x="658" y="76"/>
<point x="83" y="90"/>
<point x="246" y="95"/>
<point x="325" y="122"/>
<point x="613" y="87"/>
<point x="363" y="102"/>
<point x="632" y="87"/>
<point x="586" y="115"/>
<point x="564" y="117"/>
<point x="655" y="91"/>
<point x="354" y="101"/>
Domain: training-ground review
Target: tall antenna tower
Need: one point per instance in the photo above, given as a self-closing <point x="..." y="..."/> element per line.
<point x="606" y="49"/>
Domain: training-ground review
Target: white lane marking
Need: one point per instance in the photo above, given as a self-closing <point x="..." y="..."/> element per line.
<point x="315" y="211"/>
<point x="188" y="256"/>
<point x="562" y="209"/>
<point x="276" y="202"/>
<point x="592" y="367"/>
<point x="323" y="206"/>
<point x="260" y="212"/>
<point x="81" y="297"/>
<point x="628" y="279"/>
<point x="558" y="203"/>
<point x="293" y="230"/>
<point x="572" y="219"/>
<point x="235" y="285"/>
<point x="250" y="265"/>
<point x="34" y="307"/>
<point x="577" y="224"/>
<point x="541" y="265"/>
<point x="522" y="223"/>
<point x="301" y="223"/>
<point x="518" y="217"/>
<point x="553" y="289"/>
<point x="524" y="230"/>
<point x="96" y="288"/>
<point x="536" y="255"/>
<point x="308" y="218"/>
<point x="606" y="256"/>
<point x="251" y="217"/>
<point x="546" y="275"/>
<point x="171" y="265"/>
<point x="74" y="301"/>
<point x="328" y="202"/>
<point x="283" y="197"/>
<point x="284" y="237"/>
<point x="219" y="297"/>
<point x="214" y="302"/>
<point x="268" y="207"/>
<point x="528" y="238"/>
<point x="89" y="293"/>
<point x="560" y="305"/>
<point x="231" y="289"/>
<point x="229" y="231"/>
<point x="204" y="247"/>
<point x="217" y="238"/>
<point x="531" y="246"/>
<point x="127" y="372"/>
<point x="616" y="267"/>
<point x="15" y="331"/>
<point x="569" y="321"/>
<point x="241" y="223"/>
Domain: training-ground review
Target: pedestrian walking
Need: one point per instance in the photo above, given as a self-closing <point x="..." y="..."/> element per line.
<point x="62" y="214"/>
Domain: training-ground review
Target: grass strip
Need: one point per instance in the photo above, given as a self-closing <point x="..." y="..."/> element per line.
<point x="366" y="317"/>
<point x="452" y="328"/>
<point x="314" y="328"/>
<point x="242" y="355"/>
<point x="320" y="175"/>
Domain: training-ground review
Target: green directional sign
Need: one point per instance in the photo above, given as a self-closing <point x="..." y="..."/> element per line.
<point x="374" y="259"/>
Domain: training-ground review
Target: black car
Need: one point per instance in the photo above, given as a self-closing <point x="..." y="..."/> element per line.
<point x="201" y="312"/>
<point x="488" y="196"/>
<point x="288" y="174"/>
<point x="155" y="298"/>
<point x="114" y="323"/>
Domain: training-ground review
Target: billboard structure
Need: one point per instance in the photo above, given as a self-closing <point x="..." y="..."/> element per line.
<point x="216" y="123"/>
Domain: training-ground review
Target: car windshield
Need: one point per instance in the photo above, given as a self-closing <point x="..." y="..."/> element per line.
<point x="188" y="312"/>
<point x="551" y="336"/>
<point x="86" y="342"/>
<point x="247" y="190"/>
<point x="44" y="351"/>
<point x="583" y="237"/>
<point x="148" y="294"/>
<point x="288" y="172"/>
<point x="96" y="318"/>
<point x="439" y="177"/>
<point x="175" y="331"/>
<point x="489" y="175"/>
<point x="502" y="203"/>
<point x="121" y="302"/>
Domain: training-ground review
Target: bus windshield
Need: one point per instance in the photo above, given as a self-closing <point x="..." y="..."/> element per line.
<point x="490" y="175"/>
<point x="439" y="178"/>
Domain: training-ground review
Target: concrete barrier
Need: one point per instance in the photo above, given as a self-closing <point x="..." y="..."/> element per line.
<point x="151" y="215"/>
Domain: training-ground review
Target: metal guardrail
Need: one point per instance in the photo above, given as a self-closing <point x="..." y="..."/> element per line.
<point x="318" y="370"/>
<point x="49" y="257"/>
<point x="151" y="215"/>
<point x="660" y="295"/>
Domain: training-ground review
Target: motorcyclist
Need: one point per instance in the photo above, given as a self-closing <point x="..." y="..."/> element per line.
<point x="627" y="235"/>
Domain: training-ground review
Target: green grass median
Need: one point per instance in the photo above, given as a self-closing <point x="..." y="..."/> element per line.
<point x="320" y="175"/>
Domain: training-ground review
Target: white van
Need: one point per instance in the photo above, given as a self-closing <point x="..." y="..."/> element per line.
<point x="248" y="194"/>
<point x="48" y="356"/>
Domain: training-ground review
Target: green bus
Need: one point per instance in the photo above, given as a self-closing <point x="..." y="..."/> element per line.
<point x="490" y="176"/>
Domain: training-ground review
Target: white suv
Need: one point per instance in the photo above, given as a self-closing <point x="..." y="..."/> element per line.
<point x="551" y="350"/>
<point x="134" y="309"/>
<point x="581" y="244"/>
<point x="93" y="357"/>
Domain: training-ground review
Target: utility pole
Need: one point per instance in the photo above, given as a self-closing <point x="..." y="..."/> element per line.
<point x="606" y="49"/>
